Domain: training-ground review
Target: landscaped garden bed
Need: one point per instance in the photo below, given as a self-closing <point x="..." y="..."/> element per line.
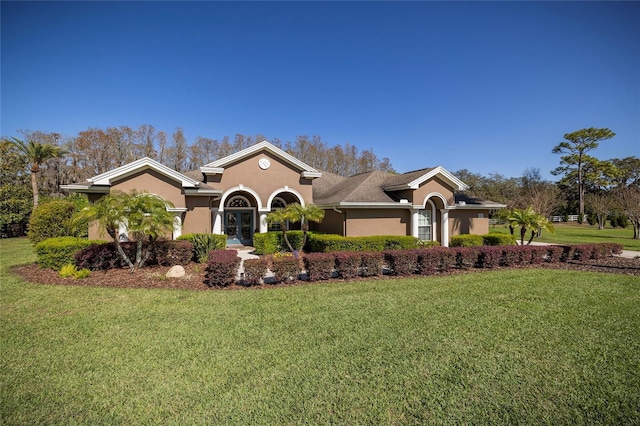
<point x="196" y="274"/>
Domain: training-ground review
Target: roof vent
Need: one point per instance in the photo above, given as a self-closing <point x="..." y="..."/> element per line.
<point x="462" y="203"/>
<point x="404" y="201"/>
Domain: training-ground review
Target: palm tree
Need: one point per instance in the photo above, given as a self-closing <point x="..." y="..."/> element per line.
<point x="36" y="154"/>
<point x="296" y="212"/>
<point x="528" y="219"/>
<point x="145" y="215"/>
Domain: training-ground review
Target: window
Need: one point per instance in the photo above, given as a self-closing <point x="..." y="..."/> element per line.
<point x="278" y="204"/>
<point x="238" y="202"/>
<point x="424" y="225"/>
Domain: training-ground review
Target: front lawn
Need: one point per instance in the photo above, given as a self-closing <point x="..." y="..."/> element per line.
<point x="574" y="233"/>
<point x="504" y="347"/>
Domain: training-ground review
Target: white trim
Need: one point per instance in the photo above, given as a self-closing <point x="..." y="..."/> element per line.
<point x="240" y="187"/>
<point x="415" y="184"/>
<point x="86" y="188"/>
<point x="479" y="206"/>
<point x="139" y="165"/>
<point x="176" y="209"/>
<point x="368" y="205"/>
<point x="275" y="193"/>
<point x="444" y="213"/>
<point x="435" y="194"/>
<point x="200" y="192"/>
<point x="217" y="167"/>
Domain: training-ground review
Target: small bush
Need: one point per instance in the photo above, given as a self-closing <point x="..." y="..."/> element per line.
<point x="266" y="243"/>
<point x="222" y="268"/>
<point x="327" y="243"/>
<point x="402" y="262"/>
<point x="54" y="253"/>
<point x="489" y="257"/>
<point x="69" y="270"/>
<point x="467" y="257"/>
<point x="53" y="219"/>
<point x="319" y="266"/>
<point x="254" y="270"/>
<point x="170" y="253"/>
<point x="554" y="254"/>
<point x="466" y="240"/>
<point x="498" y="239"/>
<point x="371" y="263"/>
<point x="435" y="260"/>
<point x="103" y="256"/>
<point x="204" y="243"/>
<point x="348" y="264"/>
<point x="285" y="268"/>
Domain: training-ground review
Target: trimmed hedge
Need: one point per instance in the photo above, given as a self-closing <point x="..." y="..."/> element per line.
<point x="266" y="243"/>
<point x="466" y="240"/>
<point x="254" y="270"/>
<point x="52" y="219"/>
<point x="371" y="263"/>
<point x="203" y="244"/>
<point x="285" y="268"/>
<point x="402" y="262"/>
<point x="103" y="256"/>
<point x="170" y="253"/>
<point x="436" y="260"/>
<point x="326" y="243"/>
<point x="222" y="267"/>
<point x="319" y="266"/>
<point x="498" y="239"/>
<point x="57" y="252"/>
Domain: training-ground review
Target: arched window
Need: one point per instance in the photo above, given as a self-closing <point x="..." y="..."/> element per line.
<point x="238" y="202"/>
<point x="278" y="204"/>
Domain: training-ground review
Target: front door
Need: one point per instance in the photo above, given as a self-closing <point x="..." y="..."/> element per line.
<point x="238" y="225"/>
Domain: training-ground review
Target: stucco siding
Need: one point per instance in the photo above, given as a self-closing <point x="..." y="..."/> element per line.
<point x="197" y="218"/>
<point x="279" y="174"/>
<point x="366" y="222"/>
<point x="436" y="185"/>
<point x="152" y="182"/>
<point x="333" y="223"/>
<point x="468" y="222"/>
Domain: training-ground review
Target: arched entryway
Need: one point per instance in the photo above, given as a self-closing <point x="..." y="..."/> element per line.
<point x="239" y="218"/>
<point x="430" y="220"/>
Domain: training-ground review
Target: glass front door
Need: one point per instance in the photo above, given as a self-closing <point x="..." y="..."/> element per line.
<point x="238" y="226"/>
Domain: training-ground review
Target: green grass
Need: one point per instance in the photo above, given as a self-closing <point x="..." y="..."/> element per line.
<point x="507" y="347"/>
<point x="573" y="233"/>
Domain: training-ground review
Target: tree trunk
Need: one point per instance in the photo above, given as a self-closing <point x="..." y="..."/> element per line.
<point x="124" y="256"/>
<point x="533" y="233"/>
<point x="523" y="231"/>
<point x="34" y="187"/>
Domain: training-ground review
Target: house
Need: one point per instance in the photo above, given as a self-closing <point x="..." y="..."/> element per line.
<point x="234" y="194"/>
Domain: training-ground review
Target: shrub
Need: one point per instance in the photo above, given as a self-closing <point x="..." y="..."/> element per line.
<point x="254" y="270"/>
<point x="428" y="244"/>
<point x="554" y="254"/>
<point x="348" y="264"/>
<point x="538" y="254"/>
<point x="54" y="253"/>
<point x="429" y="261"/>
<point x="103" y="256"/>
<point x="319" y="266"/>
<point x="467" y="257"/>
<point x="266" y="243"/>
<point x="222" y="267"/>
<point x="285" y="268"/>
<point x="326" y="243"/>
<point x="204" y="243"/>
<point x="170" y="253"/>
<point x="53" y="219"/>
<point x="466" y="240"/>
<point x="489" y="257"/>
<point x="511" y="255"/>
<point x="402" y="262"/>
<point x="371" y="263"/>
<point x="584" y="252"/>
<point x="69" y="270"/>
<point x="498" y="239"/>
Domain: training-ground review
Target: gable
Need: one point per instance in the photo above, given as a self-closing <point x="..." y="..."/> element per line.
<point x="219" y="166"/>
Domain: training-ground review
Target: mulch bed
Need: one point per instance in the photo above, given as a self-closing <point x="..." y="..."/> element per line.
<point x="154" y="276"/>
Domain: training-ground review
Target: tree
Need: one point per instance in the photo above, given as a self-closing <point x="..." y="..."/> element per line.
<point x="627" y="171"/>
<point x="600" y="205"/>
<point x="629" y="200"/>
<point x="145" y="216"/>
<point x="296" y="212"/>
<point x="36" y="154"/>
<point x="528" y="220"/>
<point x="575" y="146"/>
<point x="16" y="199"/>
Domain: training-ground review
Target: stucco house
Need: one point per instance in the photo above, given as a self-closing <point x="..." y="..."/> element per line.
<point x="234" y="194"/>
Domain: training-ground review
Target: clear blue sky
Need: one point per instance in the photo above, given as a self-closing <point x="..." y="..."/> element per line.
<point x="487" y="86"/>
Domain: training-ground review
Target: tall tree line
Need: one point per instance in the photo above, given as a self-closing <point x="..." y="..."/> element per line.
<point x="95" y="151"/>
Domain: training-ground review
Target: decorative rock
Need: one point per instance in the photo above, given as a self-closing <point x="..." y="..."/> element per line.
<point x="175" y="272"/>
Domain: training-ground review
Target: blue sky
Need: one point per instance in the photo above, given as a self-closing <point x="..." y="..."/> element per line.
<point x="487" y="86"/>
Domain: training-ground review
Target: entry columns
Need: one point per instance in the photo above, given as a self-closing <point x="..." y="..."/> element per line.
<point x="415" y="218"/>
<point x="444" y="213"/>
